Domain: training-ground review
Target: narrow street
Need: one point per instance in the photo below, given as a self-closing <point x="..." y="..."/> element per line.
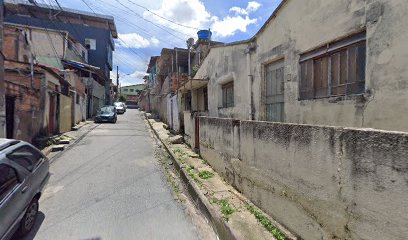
<point x="110" y="186"/>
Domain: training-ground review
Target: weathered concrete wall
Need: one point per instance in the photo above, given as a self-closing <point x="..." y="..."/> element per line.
<point x="301" y="26"/>
<point x="321" y="182"/>
<point x="189" y="126"/>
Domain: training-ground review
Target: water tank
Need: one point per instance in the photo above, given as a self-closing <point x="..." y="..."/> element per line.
<point x="204" y="34"/>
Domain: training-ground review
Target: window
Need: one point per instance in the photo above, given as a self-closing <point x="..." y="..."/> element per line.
<point x="78" y="98"/>
<point x="274" y="91"/>
<point x="26" y="157"/>
<point x="125" y="90"/>
<point x="228" y="95"/>
<point x="132" y="90"/>
<point x="205" y="93"/>
<point x="187" y="101"/>
<point x="90" y="44"/>
<point x="335" y="70"/>
<point x="8" y="180"/>
<point x="70" y="47"/>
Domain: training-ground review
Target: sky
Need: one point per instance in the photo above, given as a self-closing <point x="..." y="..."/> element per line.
<point x="145" y="27"/>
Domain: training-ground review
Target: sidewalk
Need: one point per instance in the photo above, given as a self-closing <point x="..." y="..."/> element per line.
<point x="232" y="215"/>
<point x="73" y="137"/>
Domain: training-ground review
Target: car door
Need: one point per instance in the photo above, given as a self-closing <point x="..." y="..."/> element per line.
<point x="35" y="163"/>
<point x="12" y="205"/>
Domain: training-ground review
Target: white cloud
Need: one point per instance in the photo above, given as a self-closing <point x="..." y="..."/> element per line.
<point x="154" y="41"/>
<point x="134" y="40"/>
<point x="253" y="6"/>
<point x="190" y="13"/>
<point x="228" y="26"/>
<point x="193" y="13"/>
<point x="238" y="10"/>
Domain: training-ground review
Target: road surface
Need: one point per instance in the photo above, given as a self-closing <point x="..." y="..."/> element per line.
<point x="110" y="186"/>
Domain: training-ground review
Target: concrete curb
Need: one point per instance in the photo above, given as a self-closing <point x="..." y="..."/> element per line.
<point x="222" y="229"/>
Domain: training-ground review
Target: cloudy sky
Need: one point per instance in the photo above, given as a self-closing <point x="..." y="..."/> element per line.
<point x="145" y="27"/>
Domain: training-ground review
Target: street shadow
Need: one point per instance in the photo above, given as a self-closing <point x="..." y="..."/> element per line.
<point x="31" y="235"/>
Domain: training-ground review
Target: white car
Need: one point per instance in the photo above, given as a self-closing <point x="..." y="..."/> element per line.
<point x="120" y="107"/>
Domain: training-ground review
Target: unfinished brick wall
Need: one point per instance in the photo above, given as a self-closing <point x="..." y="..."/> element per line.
<point x="27" y="111"/>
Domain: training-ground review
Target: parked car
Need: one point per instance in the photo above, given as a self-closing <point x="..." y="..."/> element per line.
<point x="106" y="114"/>
<point x="24" y="171"/>
<point x="120" y="107"/>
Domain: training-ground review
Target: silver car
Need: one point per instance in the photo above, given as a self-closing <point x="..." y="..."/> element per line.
<point x="120" y="107"/>
<point x="23" y="175"/>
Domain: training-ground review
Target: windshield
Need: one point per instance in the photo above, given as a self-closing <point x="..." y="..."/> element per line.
<point x="118" y="104"/>
<point x="106" y="110"/>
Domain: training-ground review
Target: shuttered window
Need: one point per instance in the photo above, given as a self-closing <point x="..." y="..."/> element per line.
<point x="336" y="70"/>
<point x="228" y="95"/>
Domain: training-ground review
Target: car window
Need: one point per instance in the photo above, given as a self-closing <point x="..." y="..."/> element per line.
<point x="26" y="157"/>
<point x="8" y="180"/>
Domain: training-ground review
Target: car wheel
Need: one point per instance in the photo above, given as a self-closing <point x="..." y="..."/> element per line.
<point x="114" y="120"/>
<point x="29" y="218"/>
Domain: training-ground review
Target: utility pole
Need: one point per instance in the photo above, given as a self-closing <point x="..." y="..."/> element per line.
<point x="117" y="83"/>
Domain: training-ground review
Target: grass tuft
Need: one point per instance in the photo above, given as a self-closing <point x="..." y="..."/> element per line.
<point x="266" y="223"/>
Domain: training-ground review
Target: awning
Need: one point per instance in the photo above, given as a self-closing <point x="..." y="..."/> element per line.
<point x="193" y="84"/>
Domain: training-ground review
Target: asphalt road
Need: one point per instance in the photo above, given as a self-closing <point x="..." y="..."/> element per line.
<point x="110" y="186"/>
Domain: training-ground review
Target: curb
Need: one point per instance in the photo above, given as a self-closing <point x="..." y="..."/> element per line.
<point x="221" y="227"/>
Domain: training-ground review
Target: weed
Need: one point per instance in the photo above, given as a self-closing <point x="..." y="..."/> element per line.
<point x="205" y="174"/>
<point x="226" y="208"/>
<point x="190" y="172"/>
<point x="266" y="223"/>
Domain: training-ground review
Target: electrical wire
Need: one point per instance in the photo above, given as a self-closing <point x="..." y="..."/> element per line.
<point x="169" y="20"/>
<point x="157" y="25"/>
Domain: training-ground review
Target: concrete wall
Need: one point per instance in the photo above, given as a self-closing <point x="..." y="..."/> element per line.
<point x="321" y="182"/>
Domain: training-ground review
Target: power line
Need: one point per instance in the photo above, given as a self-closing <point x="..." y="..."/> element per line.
<point x="157" y="25"/>
<point x="169" y="20"/>
<point x="127" y="22"/>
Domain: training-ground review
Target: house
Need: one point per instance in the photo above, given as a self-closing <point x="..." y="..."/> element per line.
<point x="32" y="91"/>
<point x="94" y="31"/>
<point x="131" y="94"/>
<point x="307" y="118"/>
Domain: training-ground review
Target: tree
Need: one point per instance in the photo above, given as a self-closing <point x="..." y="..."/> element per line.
<point x="122" y="99"/>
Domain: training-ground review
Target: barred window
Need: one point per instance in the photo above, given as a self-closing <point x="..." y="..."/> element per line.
<point x="338" y="69"/>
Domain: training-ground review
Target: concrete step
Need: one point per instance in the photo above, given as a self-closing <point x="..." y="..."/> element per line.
<point x="57" y="148"/>
<point x="63" y="141"/>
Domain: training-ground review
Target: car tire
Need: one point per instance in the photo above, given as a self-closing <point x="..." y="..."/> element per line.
<point x="114" y="121"/>
<point x="29" y="218"/>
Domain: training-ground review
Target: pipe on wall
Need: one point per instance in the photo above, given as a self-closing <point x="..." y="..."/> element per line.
<point x="250" y="80"/>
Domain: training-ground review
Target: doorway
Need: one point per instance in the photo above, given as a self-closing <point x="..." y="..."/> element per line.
<point x="10" y="108"/>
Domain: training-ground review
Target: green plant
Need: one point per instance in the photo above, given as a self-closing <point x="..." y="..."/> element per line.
<point x="266" y="223"/>
<point x="205" y="174"/>
<point x="226" y="208"/>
